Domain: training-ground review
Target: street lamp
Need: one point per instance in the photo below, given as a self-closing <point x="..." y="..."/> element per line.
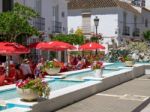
<point x="96" y="22"/>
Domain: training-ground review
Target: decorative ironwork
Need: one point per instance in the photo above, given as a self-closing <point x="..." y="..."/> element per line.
<point x="126" y="30"/>
<point x="56" y="27"/>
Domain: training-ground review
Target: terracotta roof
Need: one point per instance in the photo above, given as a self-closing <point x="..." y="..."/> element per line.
<point x="87" y="4"/>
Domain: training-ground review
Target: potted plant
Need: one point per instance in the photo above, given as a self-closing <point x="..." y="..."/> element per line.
<point x="52" y="67"/>
<point x="32" y="89"/>
<point x="98" y="69"/>
<point x="129" y="61"/>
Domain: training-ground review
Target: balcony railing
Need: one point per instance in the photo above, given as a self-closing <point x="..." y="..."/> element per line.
<point x="56" y="27"/>
<point x="126" y="30"/>
<point x="136" y="32"/>
<point x="38" y="23"/>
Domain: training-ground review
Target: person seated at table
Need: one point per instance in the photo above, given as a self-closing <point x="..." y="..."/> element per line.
<point x="11" y="61"/>
<point x="2" y="70"/>
<point x="25" y="67"/>
<point x="19" y="73"/>
<point x="38" y="69"/>
<point x="64" y="68"/>
<point x="80" y="64"/>
<point x="12" y="73"/>
<point x="32" y="65"/>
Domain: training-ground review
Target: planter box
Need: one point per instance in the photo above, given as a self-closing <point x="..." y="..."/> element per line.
<point x="129" y="63"/>
<point x="98" y="73"/>
<point x="27" y="94"/>
<point x="52" y="71"/>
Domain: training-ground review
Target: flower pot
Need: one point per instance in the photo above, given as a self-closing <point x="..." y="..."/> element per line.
<point x="98" y="73"/>
<point x="52" y="71"/>
<point x="129" y="63"/>
<point x="27" y="94"/>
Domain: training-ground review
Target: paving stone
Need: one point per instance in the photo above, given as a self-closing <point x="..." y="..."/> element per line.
<point x="122" y="98"/>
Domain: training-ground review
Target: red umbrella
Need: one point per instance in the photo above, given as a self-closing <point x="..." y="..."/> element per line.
<point x="11" y="48"/>
<point x="39" y="45"/>
<point x="53" y="46"/>
<point x="91" y="46"/>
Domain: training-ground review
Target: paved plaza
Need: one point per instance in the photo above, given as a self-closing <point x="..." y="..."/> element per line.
<point x="123" y="98"/>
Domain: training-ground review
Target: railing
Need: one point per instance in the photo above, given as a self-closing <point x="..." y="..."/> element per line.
<point x="56" y="27"/>
<point x="38" y="23"/>
<point x="136" y="32"/>
<point x="126" y="30"/>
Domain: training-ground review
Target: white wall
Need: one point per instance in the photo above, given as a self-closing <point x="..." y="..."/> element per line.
<point x="145" y="15"/>
<point x="129" y="23"/>
<point x="108" y="21"/>
<point x="74" y="22"/>
<point x="107" y="24"/>
<point x="1" y="7"/>
<point x="111" y="20"/>
<point x="47" y="11"/>
<point x="63" y="9"/>
<point x="147" y="3"/>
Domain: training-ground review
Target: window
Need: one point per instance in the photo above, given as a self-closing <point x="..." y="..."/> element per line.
<point x="56" y="12"/>
<point x="124" y="18"/>
<point x="38" y="7"/>
<point x="63" y="14"/>
<point x="7" y="5"/>
<point x="146" y="22"/>
<point x="135" y="21"/>
<point x="53" y="10"/>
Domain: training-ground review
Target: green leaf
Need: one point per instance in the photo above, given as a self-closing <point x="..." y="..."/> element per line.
<point x="15" y="22"/>
<point x="71" y="38"/>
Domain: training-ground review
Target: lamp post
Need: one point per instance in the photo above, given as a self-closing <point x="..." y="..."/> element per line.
<point x="96" y="22"/>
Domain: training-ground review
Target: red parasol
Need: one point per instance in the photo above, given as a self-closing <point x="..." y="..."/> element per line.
<point x="52" y="46"/>
<point x="39" y="45"/>
<point x="11" y="48"/>
<point x="91" y="46"/>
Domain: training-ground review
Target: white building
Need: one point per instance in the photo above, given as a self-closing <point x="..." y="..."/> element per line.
<point x="53" y="14"/>
<point x="142" y="3"/>
<point x="147" y="4"/>
<point x="1" y="6"/>
<point x="117" y="19"/>
<point x="52" y="20"/>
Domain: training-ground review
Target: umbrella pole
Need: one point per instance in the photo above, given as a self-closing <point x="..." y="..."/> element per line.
<point x="96" y="52"/>
<point x="7" y="65"/>
<point x="68" y="56"/>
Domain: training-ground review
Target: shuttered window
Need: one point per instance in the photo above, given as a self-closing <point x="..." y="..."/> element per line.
<point x="86" y="23"/>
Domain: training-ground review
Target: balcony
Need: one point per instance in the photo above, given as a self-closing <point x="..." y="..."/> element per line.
<point x="136" y="32"/>
<point x="56" y="27"/>
<point x="38" y="23"/>
<point x="126" y="31"/>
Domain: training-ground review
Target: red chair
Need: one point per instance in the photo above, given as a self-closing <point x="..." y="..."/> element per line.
<point x="12" y="74"/>
<point x="2" y="79"/>
<point x="19" y="75"/>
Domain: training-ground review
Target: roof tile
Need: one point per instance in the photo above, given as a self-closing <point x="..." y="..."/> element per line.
<point x="87" y="4"/>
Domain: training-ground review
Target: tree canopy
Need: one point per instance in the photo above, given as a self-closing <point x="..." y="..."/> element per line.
<point x="16" y="22"/>
<point x="79" y="32"/>
<point x="71" y="38"/>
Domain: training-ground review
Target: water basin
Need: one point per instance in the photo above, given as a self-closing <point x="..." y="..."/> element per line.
<point x="55" y="85"/>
